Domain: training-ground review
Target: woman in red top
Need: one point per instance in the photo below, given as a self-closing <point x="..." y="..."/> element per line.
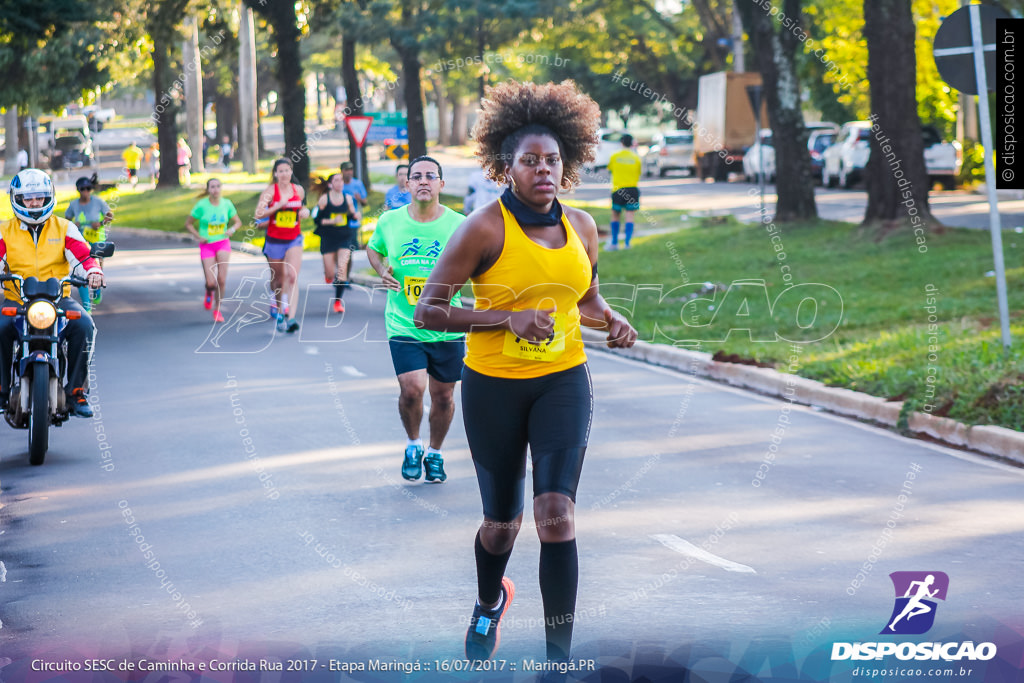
<point x="283" y="203"/>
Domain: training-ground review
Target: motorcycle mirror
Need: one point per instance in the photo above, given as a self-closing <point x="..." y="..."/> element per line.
<point x="102" y="249"/>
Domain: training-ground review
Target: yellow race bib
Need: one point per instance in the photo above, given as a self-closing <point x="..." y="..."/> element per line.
<point x="215" y="229"/>
<point x="413" y="287"/>
<point x="544" y="351"/>
<point x="286" y="219"/>
<point x="92" y="234"/>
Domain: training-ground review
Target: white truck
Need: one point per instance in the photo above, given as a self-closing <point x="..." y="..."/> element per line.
<point x="725" y="126"/>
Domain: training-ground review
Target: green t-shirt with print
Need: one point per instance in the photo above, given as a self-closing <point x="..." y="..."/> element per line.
<point x="412" y="249"/>
<point x="213" y="220"/>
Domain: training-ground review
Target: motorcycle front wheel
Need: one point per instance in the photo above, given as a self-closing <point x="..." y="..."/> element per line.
<point x="39" y="414"/>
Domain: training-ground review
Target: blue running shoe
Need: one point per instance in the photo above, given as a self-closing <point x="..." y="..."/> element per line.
<point x="434" y="465"/>
<point x="97" y="296"/>
<point x="484" y="634"/>
<point x="282" y="323"/>
<point x="412" y="466"/>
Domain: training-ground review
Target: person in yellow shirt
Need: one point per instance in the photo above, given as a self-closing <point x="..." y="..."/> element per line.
<point x="526" y="384"/>
<point x="625" y="167"/>
<point x="132" y="156"/>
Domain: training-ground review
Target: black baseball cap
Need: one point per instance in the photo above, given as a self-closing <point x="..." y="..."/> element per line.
<point x="83" y="183"/>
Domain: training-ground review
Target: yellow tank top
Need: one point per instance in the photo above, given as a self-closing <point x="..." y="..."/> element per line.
<point x="528" y="275"/>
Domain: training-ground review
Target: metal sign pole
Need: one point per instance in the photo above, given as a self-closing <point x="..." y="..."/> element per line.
<point x="995" y="226"/>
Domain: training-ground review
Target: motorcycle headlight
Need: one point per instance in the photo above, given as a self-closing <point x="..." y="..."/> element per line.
<point x="41" y="314"/>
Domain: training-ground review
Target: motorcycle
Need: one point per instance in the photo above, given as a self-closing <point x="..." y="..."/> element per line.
<point x="39" y="365"/>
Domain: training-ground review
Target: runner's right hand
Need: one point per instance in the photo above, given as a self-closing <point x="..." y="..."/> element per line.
<point x="533" y="325"/>
<point x="388" y="278"/>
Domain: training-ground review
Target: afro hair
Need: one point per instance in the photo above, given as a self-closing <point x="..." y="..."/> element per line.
<point x="512" y="110"/>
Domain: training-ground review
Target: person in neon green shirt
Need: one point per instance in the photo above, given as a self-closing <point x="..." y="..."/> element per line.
<point x="411" y="239"/>
<point x="625" y="167"/>
<point x="91" y="215"/>
<point x="213" y="214"/>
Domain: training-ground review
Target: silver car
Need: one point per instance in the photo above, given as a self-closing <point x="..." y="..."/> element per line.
<point x="670" y="152"/>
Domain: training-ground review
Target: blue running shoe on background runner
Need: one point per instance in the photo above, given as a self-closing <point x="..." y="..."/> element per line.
<point x="434" y="465"/>
<point x="412" y="466"/>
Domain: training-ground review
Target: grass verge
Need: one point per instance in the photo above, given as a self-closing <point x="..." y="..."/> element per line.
<point x="875" y="316"/>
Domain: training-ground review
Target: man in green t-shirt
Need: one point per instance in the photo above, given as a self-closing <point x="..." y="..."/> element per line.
<point x="411" y="239"/>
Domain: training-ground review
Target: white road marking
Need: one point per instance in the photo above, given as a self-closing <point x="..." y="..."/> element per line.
<point x="311" y="351"/>
<point x="686" y="548"/>
<point x="352" y="371"/>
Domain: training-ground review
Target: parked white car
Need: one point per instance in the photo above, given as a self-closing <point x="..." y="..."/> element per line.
<point x="942" y="160"/>
<point x="759" y="159"/>
<point x="670" y="152"/>
<point x="608" y="143"/>
<point x="845" y="160"/>
<point x="764" y="146"/>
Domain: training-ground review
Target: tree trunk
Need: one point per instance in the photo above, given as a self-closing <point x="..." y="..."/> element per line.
<point x="165" y="112"/>
<point x="11" y="135"/>
<point x="460" y="129"/>
<point x="896" y="178"/>
<point x="292" y="98"/>
<point x="249" y="143"/>
<point x="443" y="131"/>
<point x="226" y="117"/>
<point x="354" y="101"/>
<point x="291" y="101"/>
<point x="775" y="57"/>
<point x="409" y="54"/>
<point x="194" y="103"/>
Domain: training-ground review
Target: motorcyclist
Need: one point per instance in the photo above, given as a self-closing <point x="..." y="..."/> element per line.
<point x="37" y="243"/>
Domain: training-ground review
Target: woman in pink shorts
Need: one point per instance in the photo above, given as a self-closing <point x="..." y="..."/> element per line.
<point x="213" y="214"/>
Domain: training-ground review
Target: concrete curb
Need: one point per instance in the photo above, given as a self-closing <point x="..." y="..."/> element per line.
<point x="990" y="440"/>
<point x="987" y="439"/>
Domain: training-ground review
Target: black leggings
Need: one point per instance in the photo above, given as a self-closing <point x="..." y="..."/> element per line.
<point x="551" y="414"/>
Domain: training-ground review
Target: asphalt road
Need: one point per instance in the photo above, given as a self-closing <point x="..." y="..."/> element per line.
<point x="238" y="497"/>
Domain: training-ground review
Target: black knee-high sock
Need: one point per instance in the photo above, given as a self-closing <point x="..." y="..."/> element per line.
<point x="559" y="580"/>
<point x="339" y="289"/>
<point x="490" y="569"/>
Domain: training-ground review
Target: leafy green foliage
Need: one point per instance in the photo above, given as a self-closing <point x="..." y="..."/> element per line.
<point x="838" y="56"/>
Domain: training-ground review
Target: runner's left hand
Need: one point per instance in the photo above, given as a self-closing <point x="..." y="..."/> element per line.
<point x="620" y="333"/>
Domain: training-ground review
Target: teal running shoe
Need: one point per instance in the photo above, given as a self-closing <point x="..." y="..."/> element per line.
<point x="434" y="465"/>
<point x="412" y="466"/>
<point x="282" y="323"/>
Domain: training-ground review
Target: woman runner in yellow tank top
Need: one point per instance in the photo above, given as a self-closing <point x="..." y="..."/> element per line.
<point x="533" y="264"/>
